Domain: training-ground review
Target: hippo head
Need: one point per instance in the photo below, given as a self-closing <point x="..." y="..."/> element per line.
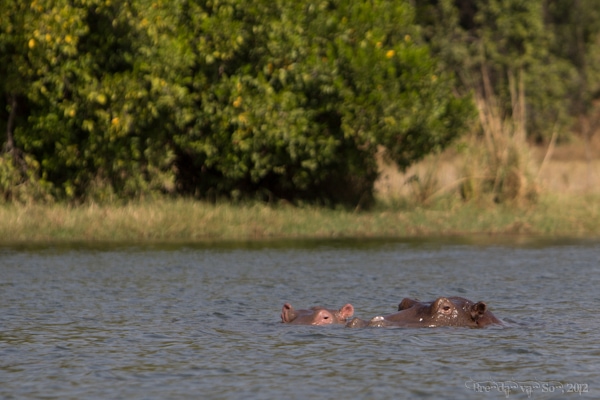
<point x="412" y="313"/>
<point x="443" y="311"/>
<point x="316" y="315"/>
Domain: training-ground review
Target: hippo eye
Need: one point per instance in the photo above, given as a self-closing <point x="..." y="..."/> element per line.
<point x="446" y="308"/>
<point x="326" y="317"/>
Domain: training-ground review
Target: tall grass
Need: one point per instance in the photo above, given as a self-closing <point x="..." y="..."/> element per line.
<point x="494" y="163"/>
<point x="498" y="163"/>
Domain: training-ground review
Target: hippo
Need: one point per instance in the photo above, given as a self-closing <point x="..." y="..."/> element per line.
<point x="443" y="311"/>
<point x="316" y="315"/>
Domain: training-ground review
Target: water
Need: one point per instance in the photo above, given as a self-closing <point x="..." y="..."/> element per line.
<point x="157" y="322"/>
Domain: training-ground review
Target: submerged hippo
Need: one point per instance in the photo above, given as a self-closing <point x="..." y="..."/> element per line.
<point x="316" y="315"/>
<point x="443" y="311"/>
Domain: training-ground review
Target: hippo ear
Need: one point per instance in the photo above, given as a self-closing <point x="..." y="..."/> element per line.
<point x="287" y="313"/>
<point x="406" y="303"/>
<point x="346" y="311"/>
<point x="478" y="309"/>
<point x="442" y="306"/>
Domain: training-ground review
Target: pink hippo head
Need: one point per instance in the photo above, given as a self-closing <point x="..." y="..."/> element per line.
<point x="316" y="315"/>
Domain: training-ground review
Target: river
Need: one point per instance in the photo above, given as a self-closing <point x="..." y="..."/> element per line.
<point x="178" y="321"/>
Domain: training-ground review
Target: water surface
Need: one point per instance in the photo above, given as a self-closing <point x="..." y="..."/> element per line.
<point x="183" y="321"/>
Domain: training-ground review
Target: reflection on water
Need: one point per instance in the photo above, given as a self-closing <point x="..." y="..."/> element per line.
<point x="182" y="321"/>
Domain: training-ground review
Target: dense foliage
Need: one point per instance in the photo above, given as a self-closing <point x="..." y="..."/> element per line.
<point x="274" y="99"/>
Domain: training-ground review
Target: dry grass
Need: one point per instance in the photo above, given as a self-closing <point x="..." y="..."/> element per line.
<point x="572" y="168"/>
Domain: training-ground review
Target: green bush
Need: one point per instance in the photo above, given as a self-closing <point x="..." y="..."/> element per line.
<point x="231" y="98"/>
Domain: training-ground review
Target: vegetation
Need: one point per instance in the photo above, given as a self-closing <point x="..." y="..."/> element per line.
<point x="529" y="65"/>
<point x="193" y="221"/>
<point x="536" y="61"/>
<point x="109" y="109"/>
<point x="122" y="100"/>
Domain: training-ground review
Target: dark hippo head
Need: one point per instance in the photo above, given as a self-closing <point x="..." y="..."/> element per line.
<point x="443" y="311"/>
<point x="316" y="315"/>
<point x="474" y="313"/>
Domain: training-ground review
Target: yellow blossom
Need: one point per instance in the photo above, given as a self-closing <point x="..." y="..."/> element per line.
<point x="237" y="102"/>
<point x="390" y="53"/>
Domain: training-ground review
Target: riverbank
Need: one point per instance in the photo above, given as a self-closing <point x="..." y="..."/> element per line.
<point x="566" y="204"/>
<point x="193" y="221"/>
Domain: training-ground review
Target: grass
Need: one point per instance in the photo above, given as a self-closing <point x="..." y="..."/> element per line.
<point x="193" y="221"/>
